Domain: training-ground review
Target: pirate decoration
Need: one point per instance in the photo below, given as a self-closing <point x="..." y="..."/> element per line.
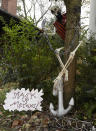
<point x="59" y="84"/>
<point x="60" y="23"/>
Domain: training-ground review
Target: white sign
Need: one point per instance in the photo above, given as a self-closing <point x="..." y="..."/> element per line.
<point x="23" y="100"/>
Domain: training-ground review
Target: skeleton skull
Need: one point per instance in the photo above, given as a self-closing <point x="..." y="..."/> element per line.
<point x="55" y="10"/>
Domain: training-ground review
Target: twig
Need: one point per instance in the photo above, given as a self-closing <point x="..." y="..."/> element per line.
<point x="43" y="14"/>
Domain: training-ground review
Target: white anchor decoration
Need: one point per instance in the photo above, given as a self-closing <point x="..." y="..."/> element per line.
<point x="58" y="84"/>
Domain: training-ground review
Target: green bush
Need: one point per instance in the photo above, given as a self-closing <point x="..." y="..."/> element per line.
<point x="26" y="57"/>
<point x="86" y="77"/>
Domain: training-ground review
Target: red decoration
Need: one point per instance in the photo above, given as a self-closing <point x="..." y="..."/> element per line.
<point x="60" y="27"/>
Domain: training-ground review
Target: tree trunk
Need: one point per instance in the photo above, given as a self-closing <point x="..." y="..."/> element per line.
<point x="92" y="21"/>
<point x="73" y="8"/>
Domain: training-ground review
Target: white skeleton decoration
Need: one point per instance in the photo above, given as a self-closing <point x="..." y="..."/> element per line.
<point x="58" y="84"/>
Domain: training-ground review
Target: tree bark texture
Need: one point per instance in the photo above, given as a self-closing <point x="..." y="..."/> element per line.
<point x="73" y="8"/>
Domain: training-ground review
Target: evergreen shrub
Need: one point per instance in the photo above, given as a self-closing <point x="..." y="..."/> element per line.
<point x="26" y="57"/>
<point x="86" y="77"/>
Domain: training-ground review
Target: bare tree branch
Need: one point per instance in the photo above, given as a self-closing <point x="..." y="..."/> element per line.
<point x="43" y="14"/>
<point x="23" y="1"/>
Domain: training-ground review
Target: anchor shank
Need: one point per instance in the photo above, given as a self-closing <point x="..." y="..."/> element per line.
<point x="60" y="101"/>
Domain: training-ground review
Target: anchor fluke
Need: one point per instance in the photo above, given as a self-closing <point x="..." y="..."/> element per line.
<point x="61" y="111"/>
<point x="51" y="108"/>
<point x="71" y="103"/>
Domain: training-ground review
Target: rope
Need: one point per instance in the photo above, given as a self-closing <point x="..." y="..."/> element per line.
<point x="70" y="59"/>
<point x="56" y="52"/>
<point x="64" y="69"/>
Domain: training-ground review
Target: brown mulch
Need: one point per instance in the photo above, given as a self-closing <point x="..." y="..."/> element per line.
<point x="43" y="121"/>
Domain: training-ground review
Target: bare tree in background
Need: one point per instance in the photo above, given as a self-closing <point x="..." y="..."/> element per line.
<point x="92" y="24"/>
<point x="29" y="9"/>
<point x="0" y="2"/>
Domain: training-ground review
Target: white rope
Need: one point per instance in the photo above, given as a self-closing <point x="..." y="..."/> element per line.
<point x="64" y="67"/>
<point x="57" y="51"/>
<point x="66" y="75"/>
